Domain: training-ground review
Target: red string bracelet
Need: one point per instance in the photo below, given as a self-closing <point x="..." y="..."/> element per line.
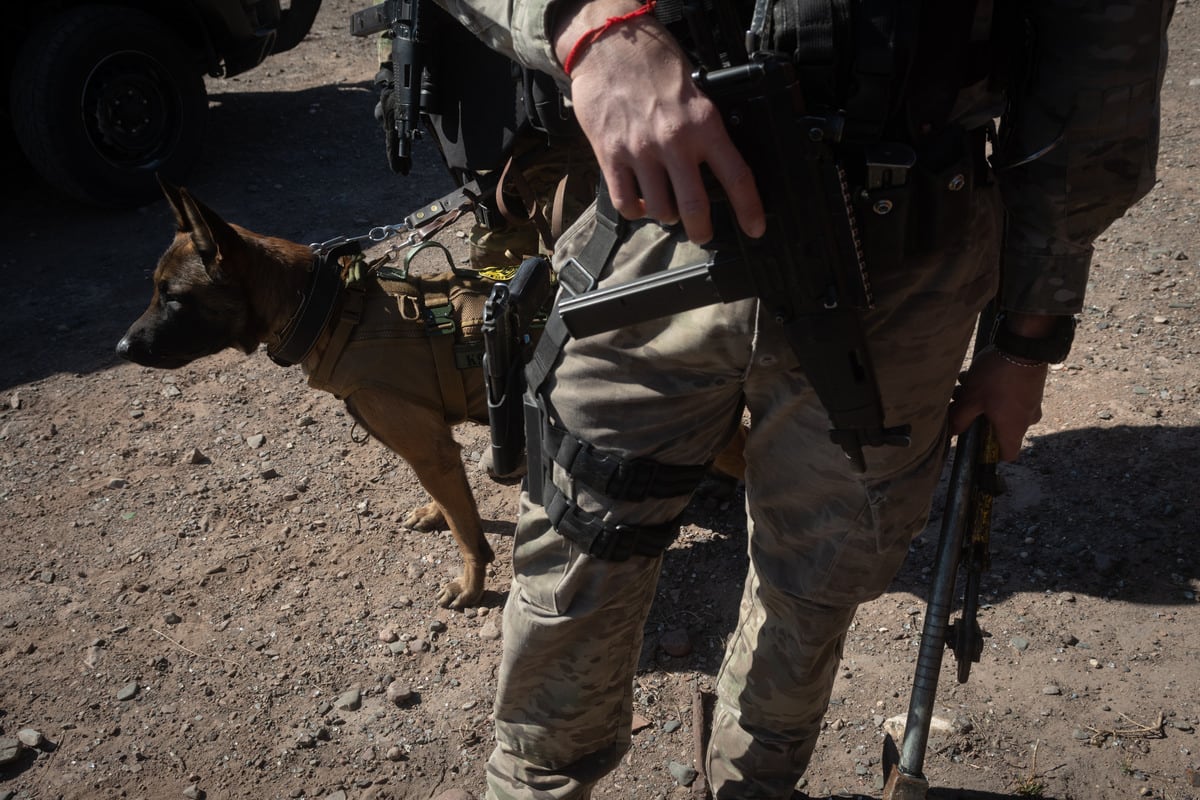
<point x="591" y="36"/>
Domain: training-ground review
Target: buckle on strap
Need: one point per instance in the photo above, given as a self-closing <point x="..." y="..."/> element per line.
<point x="608" y="542"/>
<point x="575" y="277"/>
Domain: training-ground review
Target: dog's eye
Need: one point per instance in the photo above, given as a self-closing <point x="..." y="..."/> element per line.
<point x="167" y="296"/>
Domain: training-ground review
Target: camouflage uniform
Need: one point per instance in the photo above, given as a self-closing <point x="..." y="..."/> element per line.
<point x="822" y="539"/>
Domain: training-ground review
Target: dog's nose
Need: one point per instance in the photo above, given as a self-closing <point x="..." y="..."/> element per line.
<point x="123" y="347"/>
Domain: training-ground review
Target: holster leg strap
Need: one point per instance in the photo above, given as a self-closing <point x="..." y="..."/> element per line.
<point x="608" y="541"/>
<point x="618" y="478"/>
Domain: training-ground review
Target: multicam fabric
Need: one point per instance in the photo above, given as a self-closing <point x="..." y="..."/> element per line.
<point x="1079" y="147"/>
<point x="822" y="538"/>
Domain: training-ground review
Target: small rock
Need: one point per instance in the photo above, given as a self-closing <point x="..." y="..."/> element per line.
<point x="676" y="643"/>
<point x="437" y="626"/>
<point x="388" y="635"/>
<point x="268" y="473"/>
<point x="418" y="646"/>
<point x="455" y="794"/>
<point x="396" y="753"/>
<point x="1051" y="689"/>
<point x="128" y="691"/>
<point x="10" y="749"/>
<point x="671" y="725"/>
<point x="1021" y="643"/>
<point x="117" y="483"/>
<point x="196" y="457"/>
<point x="399" y="693"/>
<point x="256" y="441"/>
<point x="683" y="774"/>
<point x="30" y="737"/>
<point x="171" y="618"/>
<point x="489" y="631"/>
<point x="350" y="700"/>
<point x="193" y="792"/>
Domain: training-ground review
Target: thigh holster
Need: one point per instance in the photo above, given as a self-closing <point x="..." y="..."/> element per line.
<point x="604" y="473"/>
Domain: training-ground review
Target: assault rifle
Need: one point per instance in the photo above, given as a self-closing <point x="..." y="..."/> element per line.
<point x="964" y="543"/>
<point x="403" y="19"/>
<point x="807" y="270"/>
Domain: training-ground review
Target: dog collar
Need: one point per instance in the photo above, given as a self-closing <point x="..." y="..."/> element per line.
<point x="297" y="338"/>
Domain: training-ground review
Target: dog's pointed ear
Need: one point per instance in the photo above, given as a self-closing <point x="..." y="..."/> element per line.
<point x="175" y="199"/>
<point x="210" y="234"/>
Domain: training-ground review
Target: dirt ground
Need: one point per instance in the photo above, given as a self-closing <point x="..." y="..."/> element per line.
<point x="180" y="629"/>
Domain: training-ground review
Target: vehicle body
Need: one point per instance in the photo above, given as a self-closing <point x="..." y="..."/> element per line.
<point x="102" y="95"/>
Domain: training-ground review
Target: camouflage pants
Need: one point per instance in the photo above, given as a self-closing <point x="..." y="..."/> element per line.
<point x="822" y="538"/>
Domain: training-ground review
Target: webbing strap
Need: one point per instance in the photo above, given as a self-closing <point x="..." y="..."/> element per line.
<point x="615" y="477"/>
<point x="607" y="541"/>
<point x="450" y="379"/>
<point x="352" y="306"/>
<point x="819" y="34"/>
<point x="576" y="276"/>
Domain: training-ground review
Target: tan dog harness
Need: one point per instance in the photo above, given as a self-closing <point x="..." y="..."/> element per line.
<point x="392" y="332"/>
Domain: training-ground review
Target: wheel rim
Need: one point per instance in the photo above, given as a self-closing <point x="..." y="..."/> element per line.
<point x="132" y="110"/>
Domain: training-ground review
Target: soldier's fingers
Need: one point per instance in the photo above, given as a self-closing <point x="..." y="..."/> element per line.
<point x="691" y="200"/>
<point x="657" y="197"/>
<point x="735" y="177"/>
<point x="623" y="191"/>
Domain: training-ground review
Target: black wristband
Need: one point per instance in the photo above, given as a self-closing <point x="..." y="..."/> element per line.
<point x="1051" y="349"/>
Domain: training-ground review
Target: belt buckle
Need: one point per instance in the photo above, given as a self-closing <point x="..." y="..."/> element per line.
<point x="614" y="544"/>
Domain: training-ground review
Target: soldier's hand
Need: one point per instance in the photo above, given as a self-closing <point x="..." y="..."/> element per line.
<point x="1005" y="391"/>
<point x="649" y="125"/>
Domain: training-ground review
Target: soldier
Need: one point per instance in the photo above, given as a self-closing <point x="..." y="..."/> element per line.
<point x="486" y="114"/>
<point x="659" y="398"/>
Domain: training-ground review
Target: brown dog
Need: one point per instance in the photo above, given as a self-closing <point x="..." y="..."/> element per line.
<point x="219" y="285"/>
<point x="379" y="345"/>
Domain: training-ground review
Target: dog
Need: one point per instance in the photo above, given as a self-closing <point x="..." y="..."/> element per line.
<point x="219" y="285"/>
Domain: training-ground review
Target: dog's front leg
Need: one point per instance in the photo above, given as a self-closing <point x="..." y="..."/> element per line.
<point x="423" y="439"/>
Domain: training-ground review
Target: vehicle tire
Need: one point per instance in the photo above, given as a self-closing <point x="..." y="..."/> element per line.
<point x="103" y="98"/>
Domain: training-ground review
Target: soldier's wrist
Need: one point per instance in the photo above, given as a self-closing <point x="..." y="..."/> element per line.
<point x="1034" y="338"/>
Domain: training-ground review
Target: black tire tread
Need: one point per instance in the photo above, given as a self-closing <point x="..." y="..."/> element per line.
<point x="32" y="102"/>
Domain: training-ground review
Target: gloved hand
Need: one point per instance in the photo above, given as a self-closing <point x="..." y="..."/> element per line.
<point x="385" y="113"/>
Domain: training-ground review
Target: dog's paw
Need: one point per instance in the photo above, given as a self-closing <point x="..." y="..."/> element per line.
<point x="456" y="594"/>
<point x="427" y="518"/>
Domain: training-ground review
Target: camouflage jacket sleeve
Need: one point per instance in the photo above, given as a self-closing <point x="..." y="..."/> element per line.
<point x="517" y="28"/>
<point x="1091" y="94"/>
